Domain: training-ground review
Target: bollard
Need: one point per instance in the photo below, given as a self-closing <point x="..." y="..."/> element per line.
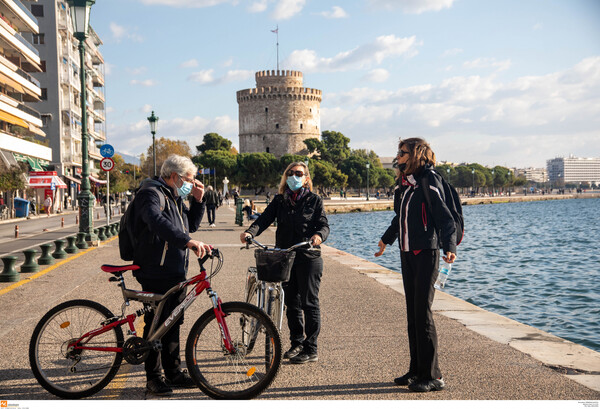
<point x="107" y="232"/>
<point x="97" y="216"/>
<point x="30" y="265"/>
<point x="239" y="214"/>
<point x="62" y="222"/>
<point x="81" y="243"/>
<point x="46" y="257"/>
<point x="71" y="247"/>
<point x="59" y="252"/>
<point x="76" y="219"/>
<point x="16" y="231"/>
<point x="9" y="274"/>
<point x="115" y="229"/>
<point x="101" y="234"/>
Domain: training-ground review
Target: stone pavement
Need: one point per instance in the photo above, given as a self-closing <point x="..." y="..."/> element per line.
<point x="362" y="346"/>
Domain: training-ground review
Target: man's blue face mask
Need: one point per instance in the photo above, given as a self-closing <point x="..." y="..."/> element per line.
<point x="185" y="189"/>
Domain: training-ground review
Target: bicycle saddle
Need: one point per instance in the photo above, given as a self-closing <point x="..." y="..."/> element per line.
<point x="118" y="269"/>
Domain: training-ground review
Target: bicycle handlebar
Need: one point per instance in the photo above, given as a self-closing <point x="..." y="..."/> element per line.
<point x="251" y="240"/>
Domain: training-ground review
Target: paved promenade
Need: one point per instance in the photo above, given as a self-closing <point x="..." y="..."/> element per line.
<point x="362" y="347"/>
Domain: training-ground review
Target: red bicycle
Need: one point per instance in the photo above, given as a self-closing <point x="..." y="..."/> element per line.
<point x="78" y="346"/>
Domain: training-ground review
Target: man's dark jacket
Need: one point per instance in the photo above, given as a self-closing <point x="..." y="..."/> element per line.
<point x="163" y="233"/>
<point x="423" y="229"/>
<point x="295" y="224"/>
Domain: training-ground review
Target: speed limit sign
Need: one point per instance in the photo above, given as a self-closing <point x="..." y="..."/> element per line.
<point x="107" y="164"/>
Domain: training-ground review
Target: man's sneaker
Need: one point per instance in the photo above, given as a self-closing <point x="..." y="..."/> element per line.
<point x="213" y="225"/>
<point x="157" y="386"/>
<point x="181" y="380"/>
<point x="405" y="379"/>
<point x="294" y="351"/>
<point x="303" y="358"/>
<point x="428" y="386"/>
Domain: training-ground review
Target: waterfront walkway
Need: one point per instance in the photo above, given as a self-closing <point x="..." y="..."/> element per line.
<point x="362" y="346"/>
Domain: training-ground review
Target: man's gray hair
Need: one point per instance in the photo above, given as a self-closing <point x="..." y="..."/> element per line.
<point x="209" y="187"/>
<point x="179" y="164"/>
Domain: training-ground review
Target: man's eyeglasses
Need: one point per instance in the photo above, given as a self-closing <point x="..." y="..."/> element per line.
<point x="298" y="173"/>
<point x="401" y="153"/>
<point x="186" y="179"/>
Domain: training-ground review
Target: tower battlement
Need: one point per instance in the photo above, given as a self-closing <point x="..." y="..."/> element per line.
<point x="278" y="78"/>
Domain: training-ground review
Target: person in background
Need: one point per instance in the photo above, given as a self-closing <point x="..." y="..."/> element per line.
<point x="48" y="205"/>
<point x="421" y="231"/>
<point x="162" y="253"/>
<point x="300" y="217"/>
<point x="212" y="202"/>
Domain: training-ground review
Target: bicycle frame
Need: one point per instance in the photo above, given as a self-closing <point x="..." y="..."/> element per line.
<point x="157" y="330"/>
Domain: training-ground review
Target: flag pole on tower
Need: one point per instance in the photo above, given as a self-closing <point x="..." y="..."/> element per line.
<point x="276" y="31"/>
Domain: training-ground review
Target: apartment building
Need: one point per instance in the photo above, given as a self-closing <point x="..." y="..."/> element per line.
<point x="21" y="136"/>
<point x="538" y="175"/>
<point x="60" y="104"/>
<point x="574" y="170"/>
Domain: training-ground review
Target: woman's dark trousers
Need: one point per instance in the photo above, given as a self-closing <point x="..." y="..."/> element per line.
<point x="419" y="273"/>
<point x="169" y="356"/>
<point x="302" y="302"/>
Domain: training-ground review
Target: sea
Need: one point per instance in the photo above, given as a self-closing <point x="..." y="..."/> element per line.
<point x="535" y="262"/>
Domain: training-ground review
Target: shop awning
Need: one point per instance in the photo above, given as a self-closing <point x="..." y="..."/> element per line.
<point x="8" y="158"/>
<point x="35" y="164"/>
<point x="6" y="117"/>
<point x="12" y="83"/>
<point x="46" y="182"/>
<point x="36" y="130"/>
<point x="100" y="182"/>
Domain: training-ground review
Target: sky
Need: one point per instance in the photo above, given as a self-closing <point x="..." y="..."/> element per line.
<point x="510" y="83"/>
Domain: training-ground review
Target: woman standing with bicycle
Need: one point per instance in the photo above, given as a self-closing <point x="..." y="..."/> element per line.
<point x="422" y="230"/>
<point x="300" y="217"/>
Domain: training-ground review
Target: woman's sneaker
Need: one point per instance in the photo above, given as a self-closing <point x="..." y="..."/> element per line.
<point x="428" y="386"/>
<point x="158" y="387"/>
<point x="304" y="357"/>
<point x="405" y="379"/>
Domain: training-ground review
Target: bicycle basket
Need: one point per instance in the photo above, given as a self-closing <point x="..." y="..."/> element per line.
<point x="274" y="266"/>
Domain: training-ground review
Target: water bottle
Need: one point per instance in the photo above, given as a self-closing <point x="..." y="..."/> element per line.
<point x="445" y="269"/>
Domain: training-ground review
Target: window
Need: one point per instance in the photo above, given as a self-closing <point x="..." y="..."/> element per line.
<point x="37" y="10"/>
<point x="44" y="94"/>
<point x="276" y="126"/>
<point x="268" y="149"/>
<point x="43" y="65"/>
<point x="38" y="38"/>
<point x="266" y="110"/>
<point x="300" y="126"/>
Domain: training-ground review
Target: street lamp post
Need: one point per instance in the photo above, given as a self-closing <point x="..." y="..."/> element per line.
<point x="368" y="166"/>
<point x="80" y="16"/>
<point x="153" y="122"/>
<point x="492" y="182"/>
<point x="473" y="172"/>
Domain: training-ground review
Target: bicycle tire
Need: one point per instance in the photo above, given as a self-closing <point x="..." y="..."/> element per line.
<point x="243" y="375"/>
<point x="52" y="364"/>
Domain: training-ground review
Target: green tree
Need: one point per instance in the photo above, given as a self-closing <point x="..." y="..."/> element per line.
<point x="256" y="170"/>
<point x="214" y="142"/>
<point x="326" y="175"/>
<point x="333" y="147"/>
<point x="223" y="161"/>
<point x="164" y="148"/>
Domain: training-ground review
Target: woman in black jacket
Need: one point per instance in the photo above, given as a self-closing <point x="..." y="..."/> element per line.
<point x="422" y="229"/>
<point x="300" y="217"/>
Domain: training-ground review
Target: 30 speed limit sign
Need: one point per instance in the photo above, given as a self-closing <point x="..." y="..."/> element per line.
<point x="107" y="164"/>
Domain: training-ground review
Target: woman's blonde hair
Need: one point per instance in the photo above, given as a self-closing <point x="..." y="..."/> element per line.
<point x="419" y="154"/>
<point x="283" y="183"/>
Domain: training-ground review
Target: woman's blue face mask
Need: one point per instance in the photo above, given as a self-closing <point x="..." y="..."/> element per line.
<point x="294" y="182"/>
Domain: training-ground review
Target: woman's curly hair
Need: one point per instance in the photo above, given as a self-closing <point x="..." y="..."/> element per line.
<point x="420" y="154"/>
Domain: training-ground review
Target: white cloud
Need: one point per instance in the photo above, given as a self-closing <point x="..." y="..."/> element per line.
<point x="286" y="9"/>
<point x="207" y="77"/>
<point x="120" y="33"/>
<point x="136" y="71"/>
<point x="538" y="26"/>
<point x="487" y="63"/>
<point x="377" y="75"/>
<point x="144" y="83"/>
<point x="336" y="12"/>
<point x="361" y="57"/>
<point x="452" y="52"/>
<point x="257" y="6"/>
<point x="537" y="116"/>
<point x="132" y="138"/>
<point x="193" y="63"/>
<point x="413" y="6"/>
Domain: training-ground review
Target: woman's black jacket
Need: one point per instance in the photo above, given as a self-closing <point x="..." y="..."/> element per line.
<point x="415" y="225"/>
<point x="162" y="227"/>
<point x="295" y="224"/>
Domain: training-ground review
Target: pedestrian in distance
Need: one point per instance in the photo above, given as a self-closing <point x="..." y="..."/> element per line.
<point x="421" y="231"/>
<point x="300" y="217"/>
<point x="212" y="202"/>
<point x="48" y="205"/>
<point x="163" y="224"/>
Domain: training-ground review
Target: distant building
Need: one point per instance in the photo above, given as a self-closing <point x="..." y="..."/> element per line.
<point x="538" y="175"/>
<point x="279" y="114"/>
<point x="21" y="136"/>
<point x="387" y="161"/>
<point x="61" y="92"/>
<point x="574" y="170"/>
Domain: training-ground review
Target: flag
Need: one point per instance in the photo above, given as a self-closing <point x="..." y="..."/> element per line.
<point x="275" y="31"/>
